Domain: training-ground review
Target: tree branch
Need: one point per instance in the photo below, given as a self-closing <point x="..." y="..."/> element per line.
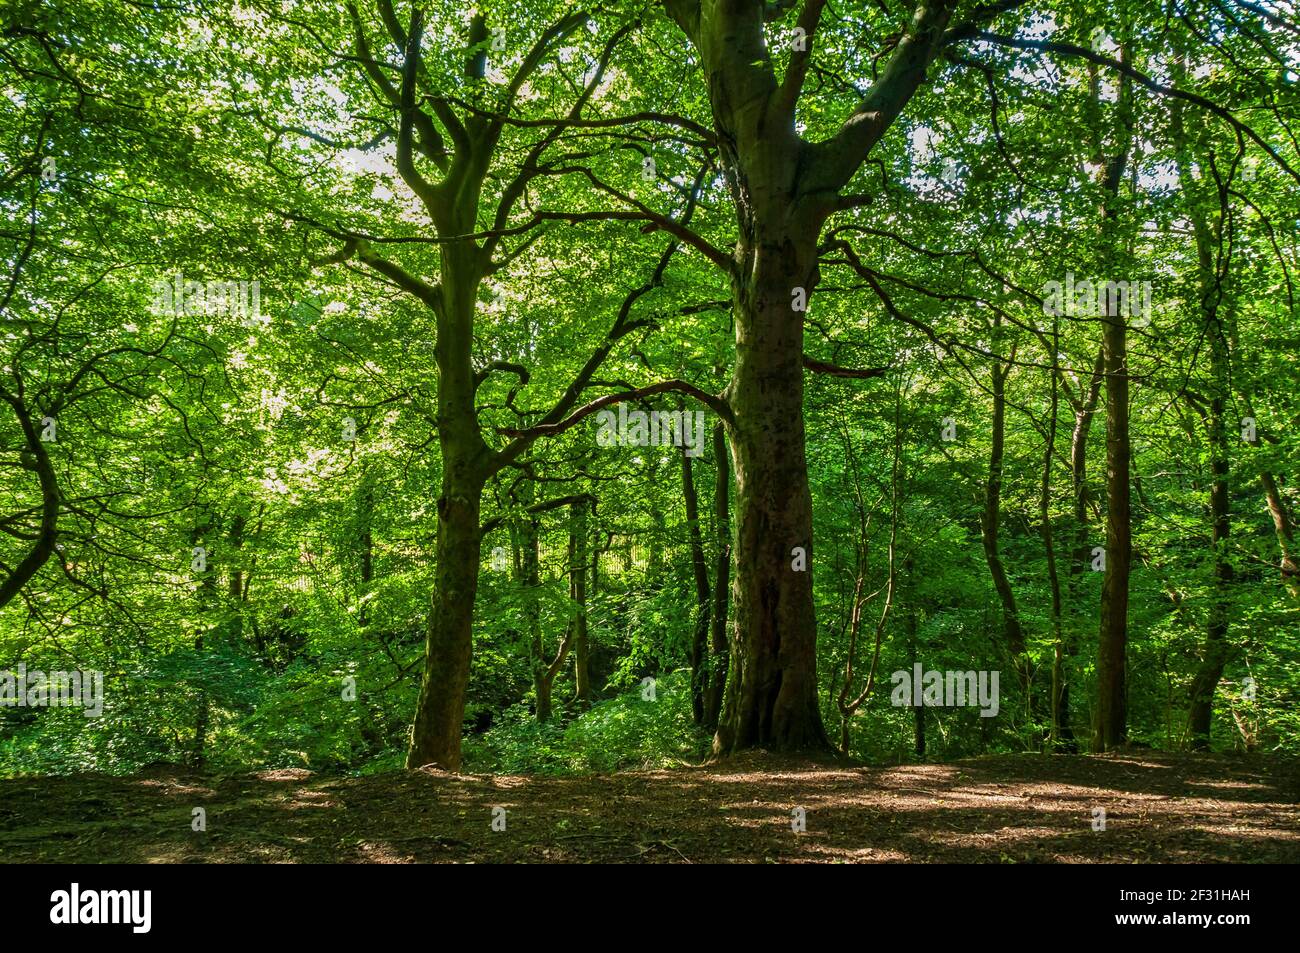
<point x="834" y="370"/>
<point x="714" y="402"/>
<point x="838" y="158"/>
<point x="1125" y="69"/>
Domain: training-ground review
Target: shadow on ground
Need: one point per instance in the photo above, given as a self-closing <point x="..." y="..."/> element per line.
<point x="1016" y="809"/>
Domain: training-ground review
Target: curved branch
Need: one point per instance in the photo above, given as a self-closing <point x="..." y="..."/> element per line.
<point x="714" y="402"/>
<point x="44" y="545"/>
<point x="834" y="370"/>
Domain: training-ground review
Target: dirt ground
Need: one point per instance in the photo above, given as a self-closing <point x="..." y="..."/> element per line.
<point x="1015" y="809"/>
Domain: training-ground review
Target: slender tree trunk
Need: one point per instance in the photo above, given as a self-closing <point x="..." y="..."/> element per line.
<point x="848" y="705"/>
<point x="366" y="540"/>
<point x="575" y="635"/>
<point x="1049" y="552"/>
<point x="206" y="593"/>
<point x="199" y="754"/>
<point x="1111" y="713"/>
<point x="579" y="550"/>
<point x="700" y="635"/>
<point x="532" y="581"/>
<point x="1084" y="412"/>
<point x="1214" y="655"/>
<point x="721" y="581"/>
<point x="1202" y="195"/>
<point x="1012" y="634"/>
<point x="1112" y="650"/>
<point x="913" y="612"/>
<point x="1284" y="528"/>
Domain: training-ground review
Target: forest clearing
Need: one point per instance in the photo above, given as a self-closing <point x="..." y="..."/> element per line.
<point x="1160" y="808"/>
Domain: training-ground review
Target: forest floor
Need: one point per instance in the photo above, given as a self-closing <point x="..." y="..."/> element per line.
<point x="1158" y="807"/>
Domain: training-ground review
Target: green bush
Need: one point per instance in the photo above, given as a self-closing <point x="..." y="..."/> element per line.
<point x="627" y="731"/>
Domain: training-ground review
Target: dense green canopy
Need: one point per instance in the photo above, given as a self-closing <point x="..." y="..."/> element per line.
<point x="327" y="329"/>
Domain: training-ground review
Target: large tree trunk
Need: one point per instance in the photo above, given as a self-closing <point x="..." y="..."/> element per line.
<point x="771" y="693"/>
<point x="782" y="190"/>
<point x="771" y="697"/>
<point x="453" y="206"/>
<point x="436" y="731"/>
